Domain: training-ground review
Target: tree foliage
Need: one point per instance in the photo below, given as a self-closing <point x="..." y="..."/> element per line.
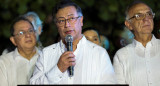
<point x="106" y="15"/>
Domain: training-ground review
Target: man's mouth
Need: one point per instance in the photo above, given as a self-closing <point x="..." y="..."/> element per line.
<point x="146" y="25"/>
<point x="28" y="41"/>
<point x="69" y="32"/>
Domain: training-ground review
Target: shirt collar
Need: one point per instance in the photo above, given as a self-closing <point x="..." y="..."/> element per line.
<point x="16" y="54"/>
<point x="62" y="46"/>
<point x="137" y="43"/>
<point x="153" y="40"/>
<point x="81" y="42"/>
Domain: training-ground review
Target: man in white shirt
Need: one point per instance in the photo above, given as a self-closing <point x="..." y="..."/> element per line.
<point x="37" y="24"/>
<point x="91" y="62"/>
<point x="138" y="64"/>
<point x="17" y="66"/>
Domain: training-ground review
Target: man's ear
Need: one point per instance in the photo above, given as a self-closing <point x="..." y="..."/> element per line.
<point x="13" y="41"/>
<point x="128" y="25"/>
<point x="81" y="20"/>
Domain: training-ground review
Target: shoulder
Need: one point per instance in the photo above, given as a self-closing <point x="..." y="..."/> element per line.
<point x="156" y="45"/>
<point x="51" y="47"/>
<point x="155" y="41"/>
<point x="7" y="58"/>
<point x="158" y="41"/>
<point x="51" y="50"/>
<point x="94" y="47"/>
<point x="125" y="49"/>
<point x="124" y="52"/>
<point x="95" y="51"/>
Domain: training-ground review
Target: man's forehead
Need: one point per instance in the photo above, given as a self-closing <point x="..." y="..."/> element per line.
<point x="140" y="8"/>
<point x="20" y="24"/>
<point x="21" y="21"/>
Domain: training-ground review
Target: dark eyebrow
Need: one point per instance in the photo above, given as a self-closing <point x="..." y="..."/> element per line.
<point x="95" y="36"/>
<point x="68" y="15"/>
<point x="30" y="28"/>
<point x="138" y="13"/>
<point x="71" y="15"/>
<point x="59" y="17"/>
<point x="149" y="12"/>
<point x="20" y="30"/>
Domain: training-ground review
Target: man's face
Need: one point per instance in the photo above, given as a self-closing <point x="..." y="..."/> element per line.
<point x="141" y="26"/>
<point x="24" y="35"/>
<point x="72" y="26"/>
<point x="92" y="36"/>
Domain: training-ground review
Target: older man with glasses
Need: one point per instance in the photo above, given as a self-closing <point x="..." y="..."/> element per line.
<point x="17" y="66"/>
<point x="88" y="63"/>
<point x="138" y="64"/>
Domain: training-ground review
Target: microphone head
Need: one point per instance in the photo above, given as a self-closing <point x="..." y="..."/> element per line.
<point x="69" y="38"/>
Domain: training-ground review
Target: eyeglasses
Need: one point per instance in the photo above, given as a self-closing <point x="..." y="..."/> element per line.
<point x="22" y="33"/>
<point x="141" y="16"/>
<point x="62" y="21"/>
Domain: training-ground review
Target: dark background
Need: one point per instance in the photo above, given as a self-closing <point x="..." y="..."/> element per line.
<point x="106" y="15"/>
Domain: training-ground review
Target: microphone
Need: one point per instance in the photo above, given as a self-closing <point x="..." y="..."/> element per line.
<point x="69" y="40"/>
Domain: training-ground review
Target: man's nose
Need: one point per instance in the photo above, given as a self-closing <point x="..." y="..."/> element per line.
<point x="146" y="17"/>
<point x="67" y="23"/>
<point x="27" y="34"/>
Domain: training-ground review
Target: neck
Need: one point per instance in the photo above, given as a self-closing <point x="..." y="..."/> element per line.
<point x="27" y="53"/>
<point x="75" y="42"/>
<point x="144" y="39"/>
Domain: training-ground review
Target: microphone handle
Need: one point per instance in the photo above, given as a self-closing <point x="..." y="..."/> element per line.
<point x="70" y="68"/>
<point x="69" y="46"/>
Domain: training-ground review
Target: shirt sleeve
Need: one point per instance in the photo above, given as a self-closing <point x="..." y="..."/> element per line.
<point x="107" y="71"/>
<point x="119" y="70"/>
<point x="55" y="75"/>
<point x="3" y="77"/>
<point x="42" y="76"/>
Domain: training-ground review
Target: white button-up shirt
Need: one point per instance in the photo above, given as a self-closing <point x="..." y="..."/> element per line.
<point x="137" y="65"/>
<point x="93" y="65"/>
<point x="15" y="69"/>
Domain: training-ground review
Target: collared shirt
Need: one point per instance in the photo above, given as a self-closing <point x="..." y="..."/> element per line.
<point x="93" y="65"/>
<point x="137" y="65"/>
<point x="15" y="69"/>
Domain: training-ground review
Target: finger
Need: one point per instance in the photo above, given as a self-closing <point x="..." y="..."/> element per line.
<point x="71" y="59"/>
<point x="72" y="63"/>
<point x="67" y="54"/>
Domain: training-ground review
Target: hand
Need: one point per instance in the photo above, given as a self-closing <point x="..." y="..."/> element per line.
<point x="67" y="59"/>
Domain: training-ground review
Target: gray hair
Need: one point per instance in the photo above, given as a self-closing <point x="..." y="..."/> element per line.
<point x="36" y="19"/>
<point x="132" y="5"/>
